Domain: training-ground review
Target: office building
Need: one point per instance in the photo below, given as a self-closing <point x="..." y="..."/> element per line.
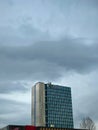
<point x="51" y="106"/>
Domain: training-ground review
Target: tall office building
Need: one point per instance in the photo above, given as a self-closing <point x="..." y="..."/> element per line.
<point x="51" y="106"/>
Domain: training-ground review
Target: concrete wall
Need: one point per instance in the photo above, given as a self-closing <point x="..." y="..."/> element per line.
<point x="38" y="104"/>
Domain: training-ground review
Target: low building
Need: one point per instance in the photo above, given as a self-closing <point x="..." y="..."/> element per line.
<point x="30" y="127"/>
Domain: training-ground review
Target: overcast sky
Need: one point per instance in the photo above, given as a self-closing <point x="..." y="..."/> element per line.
<point x="50" y="41"/>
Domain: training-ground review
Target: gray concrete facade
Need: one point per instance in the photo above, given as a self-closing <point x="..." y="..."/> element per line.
<point x="38" y="105"/>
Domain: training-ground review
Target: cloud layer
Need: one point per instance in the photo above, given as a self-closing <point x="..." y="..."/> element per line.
<point x="11" y="111"/>
<point x="47" y="58"/>
<point x="48" y="41"/>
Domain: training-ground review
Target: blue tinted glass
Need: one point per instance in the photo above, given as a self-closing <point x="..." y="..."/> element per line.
<point x="58" y="106"/>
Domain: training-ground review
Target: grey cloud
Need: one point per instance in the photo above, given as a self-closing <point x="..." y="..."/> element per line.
<point x="25" y="22"/>
<point x="90" y="105"/>
<point x="13" y="112"/>
<point x="77" y="18"/>
<point x="48" y="58"/>
<point x="86" y="106"/>
<point x="84" y="93"/>
<point x="58" y="18"/>
<point x="11" y="86"/>
<point x="6" y="2"/>
<point x="24" y="34"/>
<point x="8" y="106"/>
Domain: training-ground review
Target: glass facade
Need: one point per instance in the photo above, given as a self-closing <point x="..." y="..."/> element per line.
<point x="58" y="106"/>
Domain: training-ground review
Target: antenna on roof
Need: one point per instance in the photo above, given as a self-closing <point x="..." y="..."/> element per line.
<point x="49" y="84"/>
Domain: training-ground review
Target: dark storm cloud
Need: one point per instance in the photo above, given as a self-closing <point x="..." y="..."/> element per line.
<point x="47" y="59"/>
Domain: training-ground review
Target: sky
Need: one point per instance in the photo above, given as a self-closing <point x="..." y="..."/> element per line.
<point x="48" y="41"/>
